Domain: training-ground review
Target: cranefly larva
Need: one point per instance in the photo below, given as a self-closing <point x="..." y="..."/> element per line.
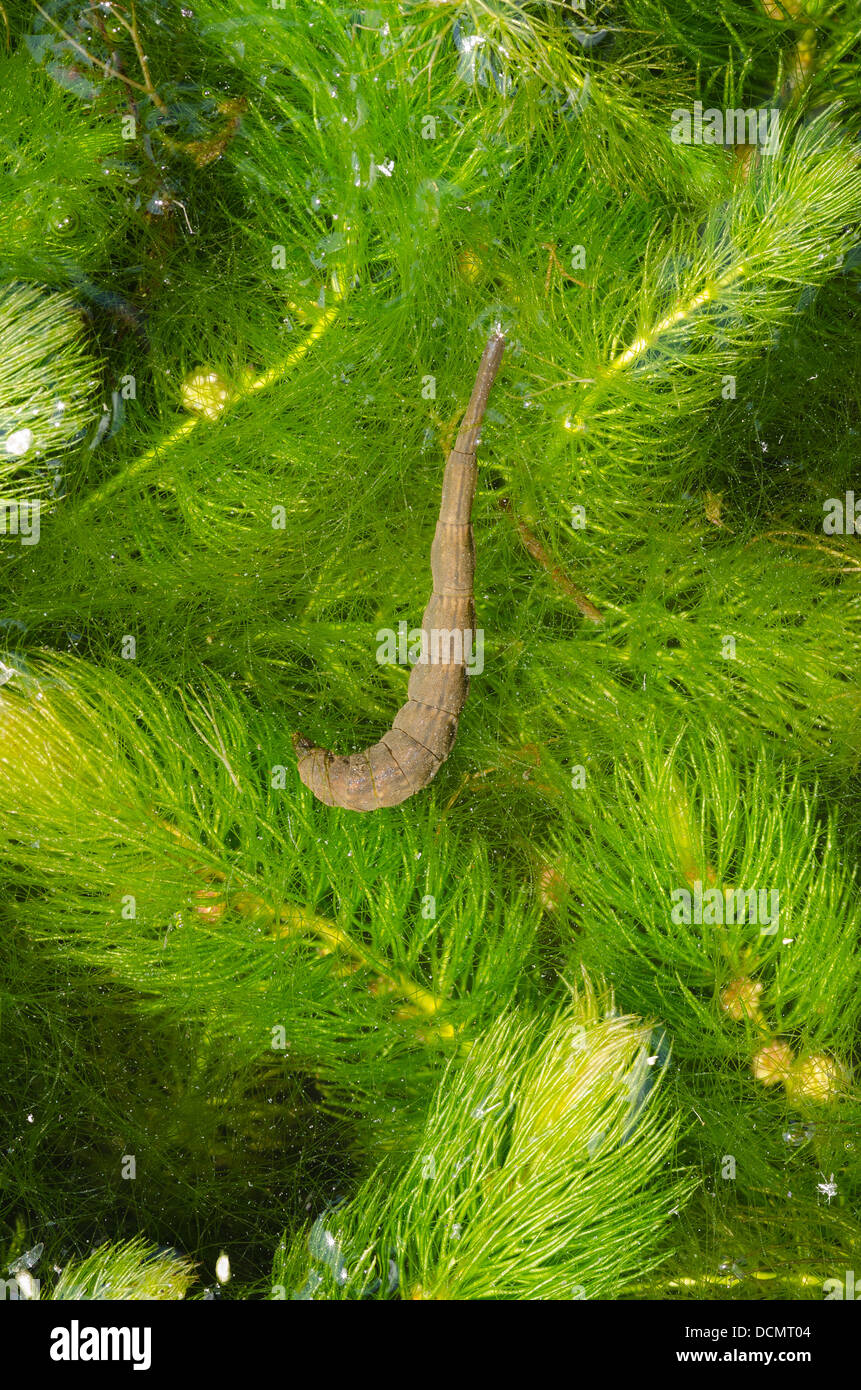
<point x="411" y="753"/>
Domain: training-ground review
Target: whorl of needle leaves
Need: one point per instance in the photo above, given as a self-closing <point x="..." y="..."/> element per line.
<point x="47" y="387"/>
<point x="401" y="178"/>
<point x="692" y="809"/>
<point x="523" y="1181"/>
<point x="64" y="180"/>
<point x="130" y="1271"/>
<point x="154" y="821"/>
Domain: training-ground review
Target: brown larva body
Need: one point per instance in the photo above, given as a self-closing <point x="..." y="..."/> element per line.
<point x="411" y="753"/>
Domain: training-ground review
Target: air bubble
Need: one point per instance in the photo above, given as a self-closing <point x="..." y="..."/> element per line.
<point x="19" y="442"/>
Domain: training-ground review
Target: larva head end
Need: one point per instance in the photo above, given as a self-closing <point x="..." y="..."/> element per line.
<point x="302" y="746"/>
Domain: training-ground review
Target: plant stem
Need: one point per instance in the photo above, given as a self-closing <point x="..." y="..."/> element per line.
<point x="296" y="919"/>
<point x="558" y="575"/>
<point x="105" y="67"/>
<point x="142" y="464"/>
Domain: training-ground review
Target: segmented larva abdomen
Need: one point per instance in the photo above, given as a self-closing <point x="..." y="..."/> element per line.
<point x="411" y="753"/>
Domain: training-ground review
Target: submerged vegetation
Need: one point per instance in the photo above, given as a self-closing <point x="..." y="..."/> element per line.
<point x="524" y="1035"/>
